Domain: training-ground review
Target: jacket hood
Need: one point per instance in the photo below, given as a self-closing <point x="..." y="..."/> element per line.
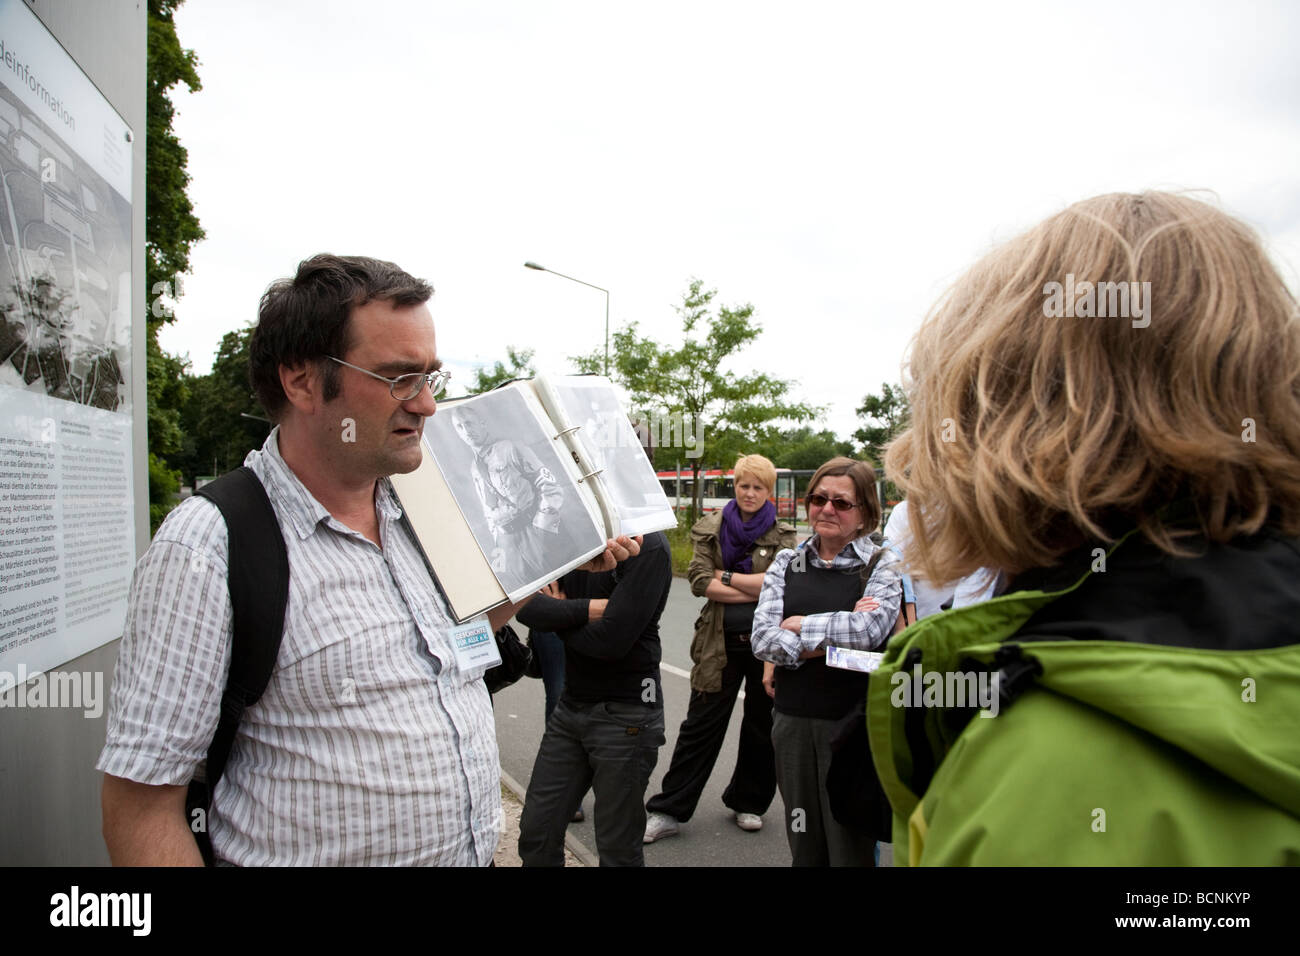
<point x="1201" y="652"/>
<point x="1243" y="595"/>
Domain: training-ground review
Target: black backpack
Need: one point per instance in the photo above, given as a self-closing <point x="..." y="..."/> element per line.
<point x="258" y="578"/>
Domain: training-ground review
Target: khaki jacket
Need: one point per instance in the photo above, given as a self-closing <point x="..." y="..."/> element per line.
<point x="708" y="649"/>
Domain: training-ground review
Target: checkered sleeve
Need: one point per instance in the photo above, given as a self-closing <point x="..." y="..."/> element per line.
<point x="768" y="640"/>
<point x="860" y="630"/>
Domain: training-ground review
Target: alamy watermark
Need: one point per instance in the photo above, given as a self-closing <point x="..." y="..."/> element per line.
<point x="659" y="429"/>
<point x="127" y="910"/>
<point x="918" y="688"/>
<point x="165" y="296"/>
<point x="1102" y="300"/>
<point x="74" y="689"/>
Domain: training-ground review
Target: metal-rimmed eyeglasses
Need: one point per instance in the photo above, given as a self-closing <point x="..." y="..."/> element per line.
<point x="406" y="387"/>
<point x="839" y="504"/>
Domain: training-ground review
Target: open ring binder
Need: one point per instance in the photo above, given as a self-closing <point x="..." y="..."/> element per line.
<point x="481" y="554"/>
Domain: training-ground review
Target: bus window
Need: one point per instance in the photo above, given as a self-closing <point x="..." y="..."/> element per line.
<point x="786" y="506"/>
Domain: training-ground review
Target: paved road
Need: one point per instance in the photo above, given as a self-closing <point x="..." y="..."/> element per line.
<point x="711" y="838"/>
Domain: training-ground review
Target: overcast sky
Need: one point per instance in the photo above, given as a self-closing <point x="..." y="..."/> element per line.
<point x="835" y="164"/>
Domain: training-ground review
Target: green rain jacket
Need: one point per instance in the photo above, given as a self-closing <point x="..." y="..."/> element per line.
<point x="1148" y="715"/>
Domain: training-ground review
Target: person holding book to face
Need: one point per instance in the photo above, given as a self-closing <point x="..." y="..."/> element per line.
<point x="606" y="730"/>
<point x="371" y="714"/>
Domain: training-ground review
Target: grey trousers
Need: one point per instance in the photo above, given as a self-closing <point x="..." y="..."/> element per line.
<point x="803" y="755"/>
<point x="611" y="748"/>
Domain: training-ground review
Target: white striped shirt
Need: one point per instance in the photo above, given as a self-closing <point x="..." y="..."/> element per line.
<point x="369" y="747"/>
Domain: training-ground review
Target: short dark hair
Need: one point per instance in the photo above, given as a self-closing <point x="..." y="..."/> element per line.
<point x="306" y="318"/>
<point x="864" y="484"/>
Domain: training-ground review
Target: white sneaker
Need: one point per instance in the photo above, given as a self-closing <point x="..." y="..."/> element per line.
<point x="658" y="826"/>
<point x="749" y="821"/>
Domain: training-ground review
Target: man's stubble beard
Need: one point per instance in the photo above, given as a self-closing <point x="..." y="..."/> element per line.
<point x="399" y="457"/>
<point x="384" y="460"/>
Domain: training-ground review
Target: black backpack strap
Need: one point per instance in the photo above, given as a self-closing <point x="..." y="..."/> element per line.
<point x="258" y="578"/>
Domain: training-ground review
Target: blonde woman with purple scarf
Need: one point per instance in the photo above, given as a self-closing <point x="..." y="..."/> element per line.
<point x="733" y="548"/>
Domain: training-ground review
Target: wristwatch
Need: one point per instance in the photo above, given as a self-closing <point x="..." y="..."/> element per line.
<point x="726" y="578"/>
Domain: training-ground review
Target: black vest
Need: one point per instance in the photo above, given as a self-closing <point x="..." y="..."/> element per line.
<point x="813" y="689"/>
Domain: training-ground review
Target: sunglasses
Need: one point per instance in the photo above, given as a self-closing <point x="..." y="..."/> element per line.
<point x="821" y="501"/>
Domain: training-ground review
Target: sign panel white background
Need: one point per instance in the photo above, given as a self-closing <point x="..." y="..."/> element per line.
<point x="67" y="512"/>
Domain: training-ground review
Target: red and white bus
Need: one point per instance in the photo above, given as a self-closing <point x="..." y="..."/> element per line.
<point x="719" y="488"/>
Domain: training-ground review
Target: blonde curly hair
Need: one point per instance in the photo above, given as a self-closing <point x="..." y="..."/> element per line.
<point x="1033" y="433"/>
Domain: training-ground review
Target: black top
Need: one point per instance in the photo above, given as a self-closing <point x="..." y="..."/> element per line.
<point x="738" y="618"/>
<point x="613" y="658"/>
<point x="813" y="689"/>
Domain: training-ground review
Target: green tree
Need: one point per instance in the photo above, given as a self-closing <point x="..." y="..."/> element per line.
<point x="799" y="448"/>
<point x="722" y="408"/>
<point x="168" y="392"/>
<point x="520" y="367"/>
<point x="222" y="421"/>
<point x="171" y="229"/>
<point x="885" y="415"/>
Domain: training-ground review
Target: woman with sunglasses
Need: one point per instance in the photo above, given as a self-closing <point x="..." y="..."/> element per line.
<point x="837" y="589"/>
<point x="733" y="548"/>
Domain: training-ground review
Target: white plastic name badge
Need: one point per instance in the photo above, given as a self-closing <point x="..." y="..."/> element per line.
<point x="846" y="658"/>
<point x="476" y="648"/>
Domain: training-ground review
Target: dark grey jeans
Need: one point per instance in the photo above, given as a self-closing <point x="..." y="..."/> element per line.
<point x="611" y="748"/>
<point x="803" y="755"/>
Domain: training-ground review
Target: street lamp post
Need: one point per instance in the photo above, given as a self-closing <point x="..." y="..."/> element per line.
<point x="534" y="265"/>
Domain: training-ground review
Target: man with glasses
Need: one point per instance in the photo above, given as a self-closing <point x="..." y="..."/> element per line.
<point x="371" y="744"/>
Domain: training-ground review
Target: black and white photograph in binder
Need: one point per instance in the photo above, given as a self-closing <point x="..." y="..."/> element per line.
<point x="506" y="473"/>
<point x="511" y="495"/>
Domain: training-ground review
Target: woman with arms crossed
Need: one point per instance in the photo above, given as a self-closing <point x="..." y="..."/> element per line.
<point x="838" y="589"/>
<point x="733" y="548"/>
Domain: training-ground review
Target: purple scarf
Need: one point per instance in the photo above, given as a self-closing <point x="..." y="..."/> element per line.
<point x="737" y="536"/>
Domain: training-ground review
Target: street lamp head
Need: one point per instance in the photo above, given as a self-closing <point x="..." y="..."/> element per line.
<point x="534" y="265"/>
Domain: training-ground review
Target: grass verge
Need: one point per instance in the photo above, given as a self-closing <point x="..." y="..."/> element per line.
<point x="679" y="539"/>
